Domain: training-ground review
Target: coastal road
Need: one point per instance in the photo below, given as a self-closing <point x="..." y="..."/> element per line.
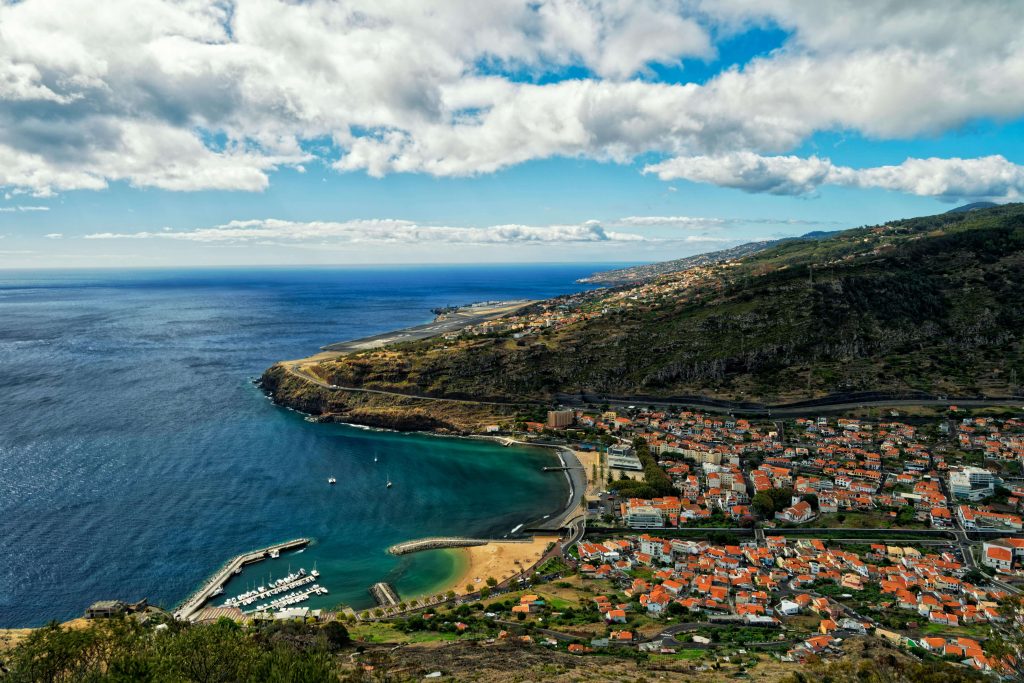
<point x="725" y="407"/>
<point x="298" y="368"/>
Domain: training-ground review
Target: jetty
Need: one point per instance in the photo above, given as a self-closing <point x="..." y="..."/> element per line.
<point x="384" y="594"/>
<point x="194" y="602"/>
<point x="447" y="542"/>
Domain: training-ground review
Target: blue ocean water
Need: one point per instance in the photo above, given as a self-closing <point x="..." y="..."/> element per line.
<point x="136" y="456"/>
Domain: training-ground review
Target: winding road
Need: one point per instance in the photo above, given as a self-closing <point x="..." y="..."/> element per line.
<point x="298" y="368"/>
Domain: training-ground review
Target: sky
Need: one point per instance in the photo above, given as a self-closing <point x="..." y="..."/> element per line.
<point x="159" y="133"/>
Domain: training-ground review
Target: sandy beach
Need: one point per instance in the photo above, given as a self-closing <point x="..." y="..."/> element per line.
<point x="499" y="560"/>
<point x="591" y="462"/>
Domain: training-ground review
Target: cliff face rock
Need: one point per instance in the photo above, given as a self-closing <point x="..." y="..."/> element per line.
<point x="376" y="410"/>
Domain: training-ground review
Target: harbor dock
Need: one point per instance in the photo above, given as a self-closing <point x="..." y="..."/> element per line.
<point x="194" y="602"/>
<point x="384" y="594"/>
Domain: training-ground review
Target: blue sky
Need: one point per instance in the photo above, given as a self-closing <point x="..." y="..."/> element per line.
<point x="264" y="132"/>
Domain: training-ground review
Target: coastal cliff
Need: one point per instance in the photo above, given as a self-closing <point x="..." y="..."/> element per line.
<point x="379" y="410"/>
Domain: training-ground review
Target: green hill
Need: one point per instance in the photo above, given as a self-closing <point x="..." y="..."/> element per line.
<point x="932" y="304"/>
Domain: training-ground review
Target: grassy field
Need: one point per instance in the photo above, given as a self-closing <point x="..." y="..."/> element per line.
<point x="975" y="631"/>
<point x="875" y="519"/>
<point x="682" y="655"/>
<point x="385" y="633"/>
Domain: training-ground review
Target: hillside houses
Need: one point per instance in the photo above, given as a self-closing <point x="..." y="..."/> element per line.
<point x="768" y="584"/>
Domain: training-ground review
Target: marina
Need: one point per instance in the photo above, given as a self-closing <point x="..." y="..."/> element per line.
<point x="215" y="585"/>
<point x="282" y="585"/>
<point x="290" y="599"/>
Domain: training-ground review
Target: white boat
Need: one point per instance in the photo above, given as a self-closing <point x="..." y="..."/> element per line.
<point x="375" y="458"/>
<point x="275" y="553"/>
<point x="388" y="485"/>
<point x="332" y="481"/>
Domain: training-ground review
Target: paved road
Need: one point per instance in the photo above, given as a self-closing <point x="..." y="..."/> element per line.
<point x="297" y="368"/>
<point x="784" y="410"/>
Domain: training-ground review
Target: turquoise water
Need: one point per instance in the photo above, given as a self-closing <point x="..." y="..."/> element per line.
<point x="136" y="456"/>
<point x="441" y="486"/>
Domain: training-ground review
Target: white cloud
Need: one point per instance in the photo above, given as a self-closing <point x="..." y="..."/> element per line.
<point x="748" y="172"/>
<point x="193" y="94"/>
<point x="991" y="177"/>
<point x="54" y="235"/>
<point x="20" y="209"/>
<point x="683" y="222"/>
<point x="380" y="230"/>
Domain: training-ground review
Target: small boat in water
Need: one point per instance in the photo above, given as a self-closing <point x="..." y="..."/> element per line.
<point x="275" y="553"/>
<point x="388" y="485"/>
<point x="332" y="481"/>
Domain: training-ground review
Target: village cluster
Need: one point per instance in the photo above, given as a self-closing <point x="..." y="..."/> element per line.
<point x="775" y="585"/>
<point x="956" y="473"/>
<point x="566" y="310"/>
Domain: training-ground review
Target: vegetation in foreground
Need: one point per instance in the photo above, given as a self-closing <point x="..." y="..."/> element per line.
<point x="124" y="650"/>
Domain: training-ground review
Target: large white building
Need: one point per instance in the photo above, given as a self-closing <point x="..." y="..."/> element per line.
<point x="644" y="517"/>
<point x="623" y="458"/>
<point x="972" y="483"/>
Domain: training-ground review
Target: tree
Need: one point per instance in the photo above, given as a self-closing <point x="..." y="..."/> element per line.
<point x="811" y="499"/>
<point x="905" y="515"/>
<point x="336" y="634"/>
<point x="491" y="581"/>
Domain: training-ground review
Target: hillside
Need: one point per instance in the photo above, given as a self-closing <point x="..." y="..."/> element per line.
<point x="650" y="271"/>
<point x="930" y="304"/>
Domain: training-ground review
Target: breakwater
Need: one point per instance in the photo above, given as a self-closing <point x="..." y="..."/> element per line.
<point x="447" y="542"/>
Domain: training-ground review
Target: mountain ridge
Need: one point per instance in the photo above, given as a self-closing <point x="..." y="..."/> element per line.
<point x="929" y="304"/>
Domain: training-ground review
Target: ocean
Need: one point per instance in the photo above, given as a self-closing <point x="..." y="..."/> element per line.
<point x="136" y="455"/>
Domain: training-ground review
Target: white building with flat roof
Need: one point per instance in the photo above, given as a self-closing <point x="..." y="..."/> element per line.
<point x="644" y="517"/>
<point x="623" y="458"/>
<point x="972" y="483"/>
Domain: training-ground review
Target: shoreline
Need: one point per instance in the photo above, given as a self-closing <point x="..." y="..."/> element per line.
<point x="499" y="558"/>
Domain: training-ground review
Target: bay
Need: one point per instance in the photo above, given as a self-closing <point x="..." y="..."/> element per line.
<point x="136" y="455"/>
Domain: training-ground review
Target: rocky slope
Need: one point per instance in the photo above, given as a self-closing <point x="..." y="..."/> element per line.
<point x="377" y="410"/>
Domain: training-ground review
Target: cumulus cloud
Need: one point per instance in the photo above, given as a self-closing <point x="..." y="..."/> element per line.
<point x="205" y="94"/>
<point x="991" y="177"/>
<point x="380" y="230"/>
<point x="748" y="172"/>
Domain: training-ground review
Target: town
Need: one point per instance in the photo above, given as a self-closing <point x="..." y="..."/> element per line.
<point x="903" y="527"/>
